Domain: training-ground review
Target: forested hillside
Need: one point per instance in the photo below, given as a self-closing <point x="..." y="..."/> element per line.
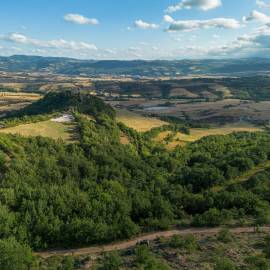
<point x="155" y="68"/>
<point x="54" y="194"/>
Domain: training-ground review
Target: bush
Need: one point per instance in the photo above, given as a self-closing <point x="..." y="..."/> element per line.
<point x="142" y="253"/>
<point x="111" y="261"/>
<point x="189" y="243"/>
<point x="68" y="263"/>
<point x="14" y="256"/>
<point x="154" y="264"/>
<point x="213" y="217"/>
<point x="257" y="263"/>
<point x="176" y="242"/>
<point x="262" y="216"/>
<point x="146" y="260"/>
<point x="224" y="264"/>
<point x="224" y="235"/>
<point x="266" y="249"/>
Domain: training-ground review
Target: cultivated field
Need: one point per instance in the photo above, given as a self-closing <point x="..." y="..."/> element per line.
<point x="221" y="111"/>
<point x="138" y="122"/>
<point x="10" y="101"/>
<point x="19" y="96"/>
<point x="198" y="133"/>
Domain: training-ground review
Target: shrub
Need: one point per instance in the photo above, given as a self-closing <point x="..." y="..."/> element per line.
<point x="142" y="253"/>
<point x="154" y="264"/>
<point x="14" y="256"/>
<point x="224" y="236"/>
<point x="224" y="264"/>
<point x="146" y="260"/>
<point x="213" y="217"/>
<point x="189" y="243"/>
<point x="257" y="263"/>
<point x="68" y="263"/>
<point x="176" y="242"/>
<point x="111" y="261"/>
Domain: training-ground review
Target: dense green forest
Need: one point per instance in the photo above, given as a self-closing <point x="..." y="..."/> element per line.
<point x="54" y="194"/>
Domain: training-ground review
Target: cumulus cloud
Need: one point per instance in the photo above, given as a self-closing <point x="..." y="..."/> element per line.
<point x="257" y="16"/>
<point x="168" y="19"/>
<point x="200" y="4"/>
<point x="190" y="25"/>
<point x="262" y="4"/>
<point x="110" y="51"/>
<point x="135" y="52"/>
<point x="263" y="40"/>
<point x="53" y="44"/>
<point x="80" y="19"/>
<point x="145" y="25"/>
<point x="256" y="43"/>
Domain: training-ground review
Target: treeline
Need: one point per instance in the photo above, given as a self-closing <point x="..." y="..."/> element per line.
<point x="251" y="88"/>
<point x="63" y="101"/>
<point x="55" y="103"/>
<point x="26" y="119"/>
<point x="154" y="132"/>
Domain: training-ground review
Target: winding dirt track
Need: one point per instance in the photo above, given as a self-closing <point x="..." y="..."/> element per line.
<point x="94" y="250"/>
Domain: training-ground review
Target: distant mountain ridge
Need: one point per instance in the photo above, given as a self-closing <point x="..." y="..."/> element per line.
<point x="155" y="68"/>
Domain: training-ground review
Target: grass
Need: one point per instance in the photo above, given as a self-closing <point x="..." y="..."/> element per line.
<point x="244" y="177"/>
<point x="19" y="96"/>
<point x="137" y="121"/>
<point x="198" y="133"/>
<point x="11" y="101"/>
<point x="124" y="139"/>
<point x="48" y="128"/>
<point x="209" y="250"/>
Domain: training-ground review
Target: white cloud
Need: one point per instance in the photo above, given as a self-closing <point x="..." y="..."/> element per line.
<point x="263" y="40"/>
<point x="135" y="52"/>
<point x="256" y="43"/>
<point x="200" y="4"/>
<point x="80" y="19"/>
<point x="262" y="4"/>
<point x="189" y="25"/>
<point x="145" y="25"/>
<point x="53" y="44"/>
<point x="168" y="19"/>
<point x="110" y="51"/>
<point x="134" y="49"/>
<point x="257" y="16"/>
<point x="16" y="38"/>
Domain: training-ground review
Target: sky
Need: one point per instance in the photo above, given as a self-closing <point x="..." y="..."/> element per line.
<point x="136" y="29"/>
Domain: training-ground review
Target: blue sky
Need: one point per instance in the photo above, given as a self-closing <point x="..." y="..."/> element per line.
<point x="135" y="29"/>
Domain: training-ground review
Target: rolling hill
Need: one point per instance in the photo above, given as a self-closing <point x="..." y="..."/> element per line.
<point x="156" y="68"/>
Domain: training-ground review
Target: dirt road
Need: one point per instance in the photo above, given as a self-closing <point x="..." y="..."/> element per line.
<point x="147" y="237"/>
